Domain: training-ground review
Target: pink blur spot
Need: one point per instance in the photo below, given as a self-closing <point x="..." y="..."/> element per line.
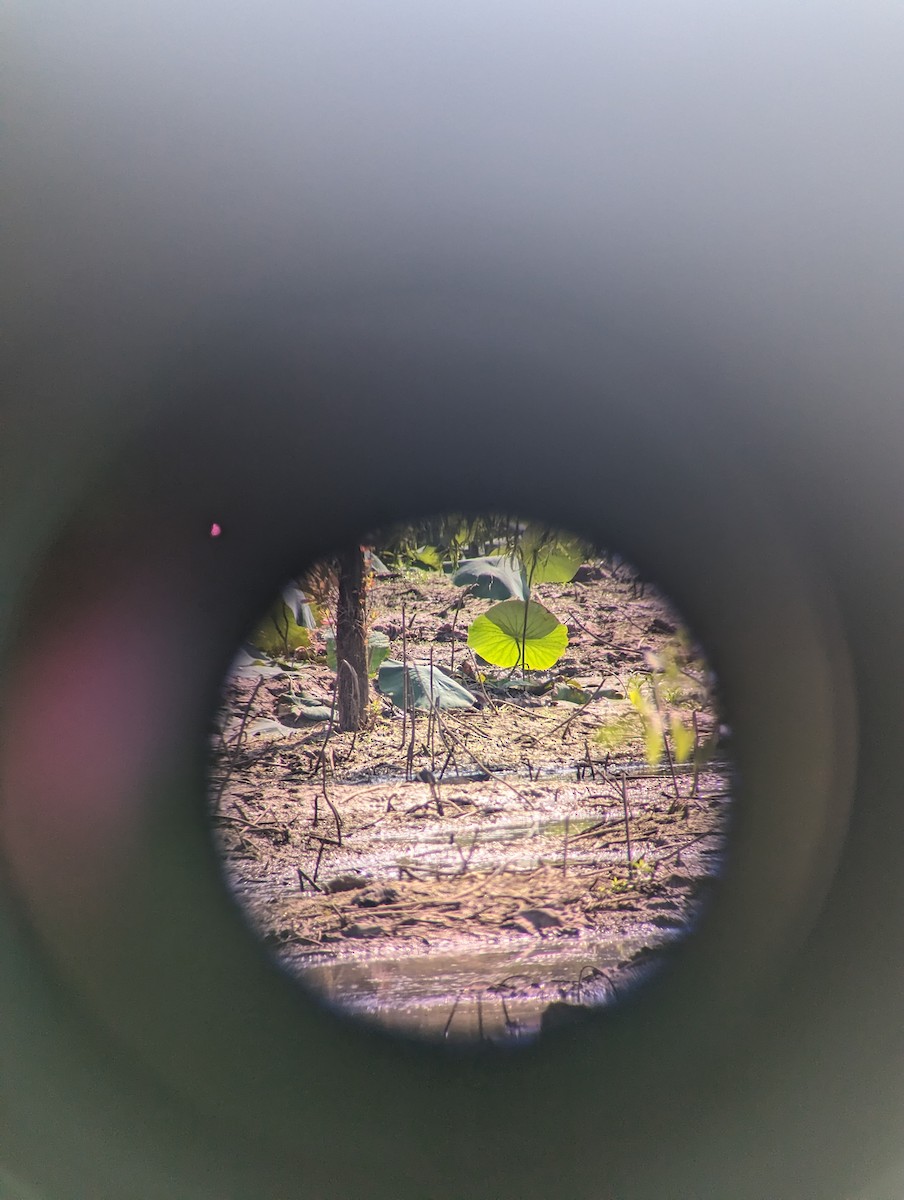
<point x="215" y="530"/>
<point x="88" y="710"/>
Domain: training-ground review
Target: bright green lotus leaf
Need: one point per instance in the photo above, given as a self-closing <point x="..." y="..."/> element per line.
<point x="427" y="557"/>
<point x="377" y="651"/>
<point x="424" y="690"/>
<point x="556" y="564"/>
<point x="498" y="577"/>
<point x="279" y="632"/>
<point x="511" y="631"/>
<point x="550" y="557"/>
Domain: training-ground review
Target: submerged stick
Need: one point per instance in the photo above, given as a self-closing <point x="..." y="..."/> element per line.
<point x="409" y="760"/>
<point x="303" y="878"/>
<point x="317" y="863"/>
<point x="668" y="754"/>
<point x="624" y="792"/>
<point x="452" y="1014"/>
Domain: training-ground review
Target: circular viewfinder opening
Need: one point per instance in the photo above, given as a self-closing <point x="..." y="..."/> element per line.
<point x="470" y="778"/>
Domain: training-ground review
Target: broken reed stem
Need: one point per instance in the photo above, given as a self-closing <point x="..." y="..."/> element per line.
<point x="486" y="695"/>
<point x="458" y="608"/>
<point x="624" y="793"/>
<point x="565" y="848"/>
<point x="448" y="759"/>
<point x="681" y="849"/>
<point x="324" y="758"/>
<point x="331" y="806"/>
<point x="431" y="722"/>
<point x="695" y="784"/>
<point x="409" y="761"/>
<point x="668" y="754"/>
<point x="589" y="759"/>
<point x="304" y="878"/>
<point x="404" y="676"/>
<point x="317" y="863"/>
<point x="326" y="741"/>
<point x="452" y="1014"/>
<point x="470" y="753"/>
<point x="239" y="738"/>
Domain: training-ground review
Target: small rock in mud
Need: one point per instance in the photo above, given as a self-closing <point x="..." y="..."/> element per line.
<point x="586" y="572"/>
<point x="362" y="931"/>
<point x="540" y="918"/>
<point x="658" y="625"/>
<point x="392" y="629"/>
<point x="374" y="897"/>
<point x="561" y="1015"/>
<point x="345" y="883"/>
<point x="518" y="926"/>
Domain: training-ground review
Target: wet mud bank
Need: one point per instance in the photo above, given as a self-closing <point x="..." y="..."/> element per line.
<point x="471" y="877"/>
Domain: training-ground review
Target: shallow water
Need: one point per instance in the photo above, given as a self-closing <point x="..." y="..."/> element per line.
<point x="385" y="773"/>
<point x="462" y="991"/>
<point x="484" y="994"/>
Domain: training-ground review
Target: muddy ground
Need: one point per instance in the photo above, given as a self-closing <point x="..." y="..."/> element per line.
<point x="459" y="881"/>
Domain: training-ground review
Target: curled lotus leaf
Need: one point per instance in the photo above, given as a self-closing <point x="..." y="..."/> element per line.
<point x="425" y="687"/>
<point x="498" y="577"/>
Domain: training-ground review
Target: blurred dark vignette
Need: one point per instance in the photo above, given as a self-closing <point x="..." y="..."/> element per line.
<point x="271" y="270"/>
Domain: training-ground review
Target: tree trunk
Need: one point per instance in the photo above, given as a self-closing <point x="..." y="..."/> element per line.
<point x="351" y="642"/>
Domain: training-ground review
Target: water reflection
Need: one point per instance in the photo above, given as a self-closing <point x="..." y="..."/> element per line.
<point x="488" y="995"/>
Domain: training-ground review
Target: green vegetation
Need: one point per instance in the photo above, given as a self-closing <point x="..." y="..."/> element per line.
<point x="656" y="700"/>
<point x="414" y="686"/>
<point x="518" y="633"/>
<point x="280" y="633"/>
<point x="500" y="559"/>
<point x="377" y="651"/>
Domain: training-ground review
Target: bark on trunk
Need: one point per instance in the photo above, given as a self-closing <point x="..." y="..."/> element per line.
<point x="351" y="642"/>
